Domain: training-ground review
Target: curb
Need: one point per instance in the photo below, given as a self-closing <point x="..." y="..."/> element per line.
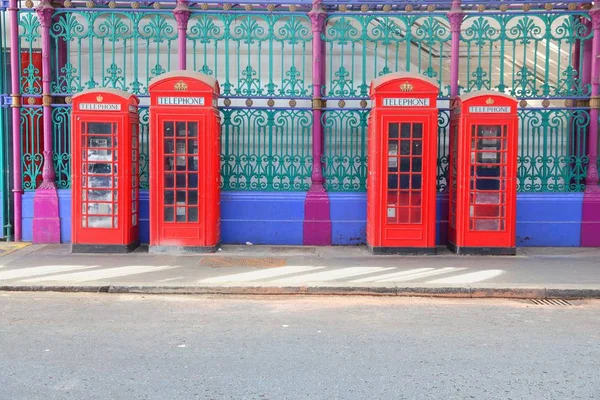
<point x="449" y="292"/>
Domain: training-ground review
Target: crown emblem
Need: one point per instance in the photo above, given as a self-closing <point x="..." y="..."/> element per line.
<point x="181" y="86"/>
<point x="99" y="98"/>
<point x="406" y="87"/>
<point x="489" y="101"/>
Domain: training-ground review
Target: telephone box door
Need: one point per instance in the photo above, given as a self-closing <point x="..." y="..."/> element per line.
<point x="489" y="182"/>
<point x="407" y="169"/>
<point x="180" y="177"/>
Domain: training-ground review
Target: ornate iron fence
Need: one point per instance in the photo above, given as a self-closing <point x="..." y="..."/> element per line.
<point x="263" y="61"/>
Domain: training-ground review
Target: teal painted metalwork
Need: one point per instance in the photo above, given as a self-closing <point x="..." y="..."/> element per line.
<point x="524" y="55"/>
<point x="345" y="158"/>
<point x="31" y="147"/>
<point x="61" y="136"/>
<point x="5" y="134"/>
<point x="266" y="149"/>
<point x="551" y="150"/>
<point x="253" y="54"/>
<point x="363" y="47"/>
<point x="122" y="50"/>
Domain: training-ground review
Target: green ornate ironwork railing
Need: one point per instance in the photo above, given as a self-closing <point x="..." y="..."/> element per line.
<point x="524" y="55"/>
<point x="266" y="149"/>
<point x="253" y="55"/>
<point x="363" y="47"/>
<point x="266" y="56"/>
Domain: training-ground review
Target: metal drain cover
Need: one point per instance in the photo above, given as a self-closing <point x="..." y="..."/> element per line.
<point x="292" y="249"/>
<point x="254" y="262"/>
<point x="550" y="302"/>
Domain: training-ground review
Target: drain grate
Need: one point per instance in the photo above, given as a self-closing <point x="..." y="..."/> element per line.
<point x="255" y="262"/>
<point x="550" y="302"/>
<point x="292" y="249"/>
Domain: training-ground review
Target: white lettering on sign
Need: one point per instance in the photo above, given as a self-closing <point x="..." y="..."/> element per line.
<point x="181" y="101"/>
<point x="99" y="107"/>
<point x="490" y="109"/>
<point x="405" y="102"/>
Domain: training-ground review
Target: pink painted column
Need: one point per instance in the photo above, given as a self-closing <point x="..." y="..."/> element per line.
<point x="590" y="224"/>
<point x="46" y="220"/>
<point x="455" y="15"/>
<point x="16" y="117"/>
<point x="317" y="215"/>
<point x="182" y="16"/>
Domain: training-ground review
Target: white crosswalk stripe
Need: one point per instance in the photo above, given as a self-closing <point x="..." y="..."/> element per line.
<point x="334" y="274"/>
<point x="471" y="277"/>
<point x="424" y="274"/>
<point x="105" y="273"/>
<point x="257" y="275"/>
<point x="42" y="270"/>
<point x="392" y="275"/>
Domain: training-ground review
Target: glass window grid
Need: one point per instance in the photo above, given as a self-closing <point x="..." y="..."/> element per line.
<point x="181" y="174"/>
<point x="89" y="218"/>
<point x="487" y="206"/>
<point x="405" y="158"/>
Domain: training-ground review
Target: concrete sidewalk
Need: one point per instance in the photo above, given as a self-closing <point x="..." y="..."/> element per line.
<point x="534" y="273"/>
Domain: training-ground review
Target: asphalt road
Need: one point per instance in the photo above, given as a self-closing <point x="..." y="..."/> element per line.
<point x="84" y="346"/>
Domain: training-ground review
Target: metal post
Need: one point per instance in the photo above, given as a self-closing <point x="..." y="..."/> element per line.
<point x="182" y="16"/>
<point x="46" y="220"/>
<point x="455" y="15"/>
<point x="590" y="226"/>
<point x="317" y="219"/>
<point x="16" y="115"/>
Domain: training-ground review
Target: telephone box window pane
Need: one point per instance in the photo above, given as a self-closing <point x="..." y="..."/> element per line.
<point x="193" y="197"/>
<point x="405" y="130"/>
<point x="193" y="163"/>
<point x="393" y="131"/>
<point x="192" y="181"/>
<point x="169" y="197"/>
<point x="100" y="208"/>
<point x="101" y="168"/>
<point x="181" y="197"/>
<point x="168" y="146"/>
<point x="181" y="214"/>
<point x="417" y="131"/>
<point x="100" y="195"/>
<point x="169" y="129"/>
<point x="180" y="162"/>
<point x="192" y="146"/>
<point x="169" y="214"/>
<point x="181" y="129"/>
<point x="193" y="214"/>
<point x="192" y="129"/>
<point x="100" y="222"/>
<point x="101" y="128"/>
<point x="181" y="181"/>
<point x="180" y="147"/>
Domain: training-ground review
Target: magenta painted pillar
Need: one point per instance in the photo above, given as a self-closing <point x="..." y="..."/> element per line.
<point x="455" y="15"/>
<point x="16" y="116"/>
<point x="590" y="224"/>
<point x="317" y="215"/>
<point x="182" y="16"/>
<point x="46" y="220"/>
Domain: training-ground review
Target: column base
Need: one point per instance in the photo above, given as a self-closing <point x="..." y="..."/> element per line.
<point x="46" y="219"/>
<point x="317" y="218"/>
<point x="590" y="219"/>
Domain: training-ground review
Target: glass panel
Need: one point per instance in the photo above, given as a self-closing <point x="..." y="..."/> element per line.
<point x="169" y="214"/>
<point x="100" y="208"/>
<point x="181" y="129"/>
<point x="100" y="222"/>
<point x="169" y="197"/>
<point x="405" y="130"/>
<point x="193" y="214"/>
<point x="417" y="131"/>
<point x="181" y="181"/>
<point x="192" y="129"/>
<point x="169" y="129"/>
<point x="168" y="146"/>
<point x="192" y="146"/>
<point x="192" y="181"/>
<point x="393" y="131"/>
<point x="181" y="148"/>
<point x="103" y="128"/>
<point x="100" y="195"/>
<point x="193" y="197"/>
<point x="100" y="168"/>
<point x="99" y="141"/>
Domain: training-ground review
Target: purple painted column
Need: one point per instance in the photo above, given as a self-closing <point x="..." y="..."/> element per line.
<point x="182" y="16"/>
<point x="317" y="215"/>
<point x="455" y="15"/>
<point x="16" y="116"/>
<point x="46" y="220"/>
<point x="590" y="225"/>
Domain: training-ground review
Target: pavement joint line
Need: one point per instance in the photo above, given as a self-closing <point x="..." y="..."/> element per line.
<point x="440" y="291"/>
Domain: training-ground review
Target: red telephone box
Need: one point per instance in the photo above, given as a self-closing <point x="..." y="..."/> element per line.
<point x="105" y="145"/>
<point x="483" y="174"/>
<point x="401" y="184"/>
<point x="185" y="163"/>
